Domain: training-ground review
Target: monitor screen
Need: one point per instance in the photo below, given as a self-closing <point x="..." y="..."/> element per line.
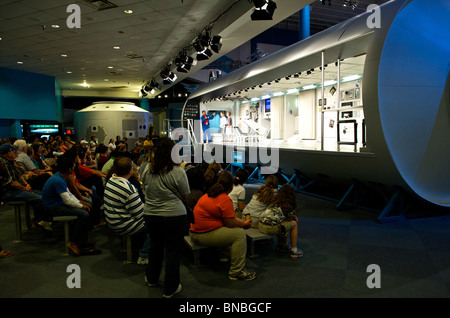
<point x="44" y="129"/>
<point x="267" y="105"/>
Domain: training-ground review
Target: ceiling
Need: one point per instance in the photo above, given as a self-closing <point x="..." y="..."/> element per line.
<point x="348" y="68"/>
<point x="115" y="53"/>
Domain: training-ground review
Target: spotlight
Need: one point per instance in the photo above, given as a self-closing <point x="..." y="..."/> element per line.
<point x="216" y="43"/>
<point x="264" y="10"/>
<point x="201" y="46"/>
<point x="184" y="63"/>
<point x="168" y="76"/>
<point x="143" y="92"/>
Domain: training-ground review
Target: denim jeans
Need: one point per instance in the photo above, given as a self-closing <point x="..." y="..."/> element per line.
<point x="166" y="234"/>
<point x="33" y="198"/>
<point x="80" y="229"/>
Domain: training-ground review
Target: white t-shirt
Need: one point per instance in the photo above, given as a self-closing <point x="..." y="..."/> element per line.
<point x="236" y="195"/>
<point x="254" y="208"/>
<point x="223" y="122"/>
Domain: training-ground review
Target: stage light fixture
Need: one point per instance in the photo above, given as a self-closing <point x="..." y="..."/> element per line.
<point x="264" y="10"/>
<point x="168" y="76"/>
<point x="143" y="92"/>
<point x="201" y="45"/>
<point x="184" y="63"/>
<point x="216" y="43"/>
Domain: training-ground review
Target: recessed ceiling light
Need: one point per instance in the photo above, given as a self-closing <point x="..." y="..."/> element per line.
<point x="128" y="11"/>
<point x="55" y="26"/>
<point x="117" y="48"/>
<point x="69" y="72"/>
<point x="19" y="62"/>
<point x="64" y="55"/>
<point x="110" y="66"/>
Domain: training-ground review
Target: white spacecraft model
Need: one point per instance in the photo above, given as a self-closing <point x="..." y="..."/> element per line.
<point x="107" y="120"/>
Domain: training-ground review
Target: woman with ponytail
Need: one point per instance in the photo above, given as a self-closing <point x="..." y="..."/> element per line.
<point x="216" y="225"/>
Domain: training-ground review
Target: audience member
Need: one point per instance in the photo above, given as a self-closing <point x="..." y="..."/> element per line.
<point x="196" y="184"/>
<point x="103" y="157"/>
<point x="263" y="197"/>
<point x="35" y="176"/>
<point x="237" y="195"/>
<point x="16" y="188"/>
<point x="216" y="225"/>
<point x="93" y="143"/>
<point x="59" y="201"/>
<point x="280" y="219"/>
<point x="111" y="145"/>
<point x="124" y="209"/>
<point x="165" y="185"/>
<point x="212" y="174"/>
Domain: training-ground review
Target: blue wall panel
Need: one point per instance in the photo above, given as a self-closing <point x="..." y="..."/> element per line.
<point x="25" y="95"/>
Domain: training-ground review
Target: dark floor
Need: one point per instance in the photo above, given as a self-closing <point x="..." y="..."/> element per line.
<point x="413" y="257"/>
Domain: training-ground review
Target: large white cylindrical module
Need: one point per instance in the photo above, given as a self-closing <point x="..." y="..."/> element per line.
<point x="405" y="100"/>
<point x="107" y="120"/>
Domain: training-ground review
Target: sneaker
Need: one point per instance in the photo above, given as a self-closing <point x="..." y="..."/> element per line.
<point x="298" y="254"/>
<point x="175" y="292"/>
<point x="142" y="261"/>
<point x="243" y="275"/>
<point x="149" y="284"/>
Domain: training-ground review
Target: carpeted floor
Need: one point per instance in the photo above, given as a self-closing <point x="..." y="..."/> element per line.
<point x="412" y="256"/>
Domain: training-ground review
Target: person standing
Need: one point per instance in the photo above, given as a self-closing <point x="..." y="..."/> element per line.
<point x="205" y="126"/>
<point x="222" y="125"/>
<point x="229" y="127"/>
<point x="165" y="185"/>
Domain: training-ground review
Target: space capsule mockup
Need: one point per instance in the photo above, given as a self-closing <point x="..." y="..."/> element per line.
<point x="107" y="120"/>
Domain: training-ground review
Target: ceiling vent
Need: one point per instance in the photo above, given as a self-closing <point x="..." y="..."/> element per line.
<point x="100" y="4"/>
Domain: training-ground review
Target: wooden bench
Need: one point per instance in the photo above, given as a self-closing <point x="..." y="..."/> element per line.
<point x="253" y="235"/>
<point x="18" y="217"/>
<point x="195" y="249"/>
<point x="66" y="219"/>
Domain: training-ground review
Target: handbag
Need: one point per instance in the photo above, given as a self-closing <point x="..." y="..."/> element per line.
<point x="189" y="210"/>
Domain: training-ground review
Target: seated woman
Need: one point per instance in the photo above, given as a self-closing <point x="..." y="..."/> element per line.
<point x="280" y="219"/>
<point x="237" y="195"/>
<point x="261" y="200"/>
<point x="216" y="225"/>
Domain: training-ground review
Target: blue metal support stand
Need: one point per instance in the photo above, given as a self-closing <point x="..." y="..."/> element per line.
<point x="259" y="178"/>
<point x="394" y="202"/>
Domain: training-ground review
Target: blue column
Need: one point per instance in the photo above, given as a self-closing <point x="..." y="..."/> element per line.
<point x="15" y="130"/>
<point x="145" y="104"/>
<point x="304" y="23"/>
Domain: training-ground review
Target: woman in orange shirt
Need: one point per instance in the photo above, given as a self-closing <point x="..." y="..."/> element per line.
<point x="216" y="225"/>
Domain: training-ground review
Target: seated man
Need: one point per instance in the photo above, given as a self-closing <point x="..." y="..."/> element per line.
<point x="124" y="210"/>
<point x="59" y="201"/>
<point x="14" y="187"/>
<point x="37" y="177"/>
